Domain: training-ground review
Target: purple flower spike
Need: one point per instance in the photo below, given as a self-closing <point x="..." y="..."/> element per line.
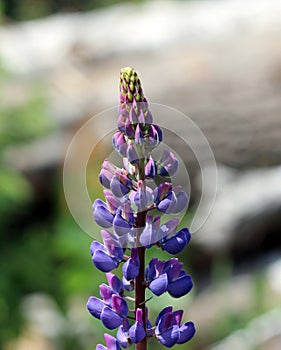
<point x="131" y="267"/>
<point x="177" y="243"/>
<point x="137" y="332"/>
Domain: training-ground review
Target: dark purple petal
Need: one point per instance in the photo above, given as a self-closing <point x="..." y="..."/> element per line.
<point x="95" y="306"/>
<point x="129" y="130"/>
<point x="150" y="271"/>
<point x="103" y="217"/>
<point x="177" y="243"/>
<point x="161" y="192"/>
<point x="105" y="178"/>
<point x="128" y="285"/>
<point x="120" y="225"/>
<point x="180" y="287"/>
<point x="150" y="168"/>
<point x="103" y="261"/>
<point x="137" y="333"/>
<point x="111" y="342"/>
<point x="110" y="319"/>
<point x="169" y="337"/>
<point x="119" y="305"/>
<point x="187" y="331"/>
<point x="176" y="317"/>
<point x="159" y="285"/>
<point x="114" y="282"/>
<point x="131" y="267"/>
<point x="164" y="312"/>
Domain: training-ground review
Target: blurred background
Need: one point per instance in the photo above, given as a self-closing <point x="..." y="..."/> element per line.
<point x="217" y="61"/>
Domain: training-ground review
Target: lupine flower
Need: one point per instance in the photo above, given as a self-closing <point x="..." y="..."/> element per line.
<point x="168" y="276"/>
<point x="108" y="256"/>
<point x="168" y="329"/>
<point x="111" y="314"/>
<point x="129" y="226"/>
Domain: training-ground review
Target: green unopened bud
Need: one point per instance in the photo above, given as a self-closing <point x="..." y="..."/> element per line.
<point x="130" y="86"/>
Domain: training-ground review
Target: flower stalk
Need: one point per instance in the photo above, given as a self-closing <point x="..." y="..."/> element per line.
<point x="129" y="227"/>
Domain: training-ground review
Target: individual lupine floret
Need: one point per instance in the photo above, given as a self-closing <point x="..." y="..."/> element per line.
<point x="130" y="268"/>
<point x="167" y="164"/>
<point x="137" y="331"/>
<point x="175" y="244"/>
<point x="111" y="313"/>
<point x="111" y="343"/>
<point x="169" y="200"/>
<point x="168" y="276"/>
<point x="108" y="256"/>
<point x="168" y="329"/>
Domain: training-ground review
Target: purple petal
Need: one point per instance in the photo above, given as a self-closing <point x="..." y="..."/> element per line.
<point x="105" y="178"/>
<point x="177" y="243"/>
<point x="181" y="202"/>
<point x="96" y="246"/>
<point x="187" y="331"/>
<point x="169" y="337"/>
<point x="103" y="217"/>
<point x="168" y="229"/>
<point x="180" y="287"/>
<point x="150" y="168"/>
<point x="111" y="342"/>
<point x="95" y="306"/>
<point x="120" y="225"/>
<point x="159" y="285"/>
<point x="112" y="202"/>
<point x="131" y="267"/>
<point x="103" y="261"/>
<point x="132" y="154"/>
<point x="139" y="138"/>
<point x="118" y="188"/>
<point x="176" y="317"/>
<point x="119" y="305"/>
<point x="110" y="319"/>
<point x="150" y="271"/>
<point x="161" y="192"/>
<point x="114" y="282"/>
<point x="122" y="337"/>
<point x="137" y="333"/>
<point x="162" y="313"/>
<point x="113" y="246"/>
